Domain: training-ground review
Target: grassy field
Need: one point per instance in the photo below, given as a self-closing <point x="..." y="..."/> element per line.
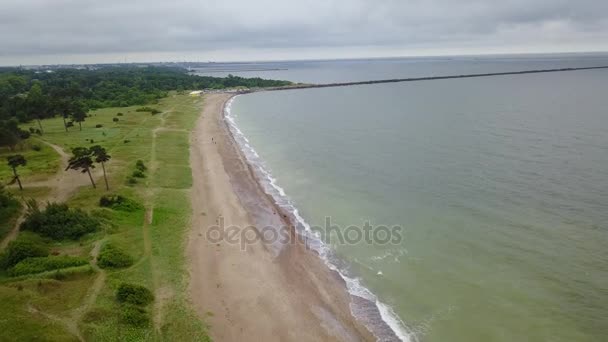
<point x="80" y="303"/>
<point x="40" y="164"/>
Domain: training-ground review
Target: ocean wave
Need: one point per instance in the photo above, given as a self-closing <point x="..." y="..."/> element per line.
<point x="362" y="310"/>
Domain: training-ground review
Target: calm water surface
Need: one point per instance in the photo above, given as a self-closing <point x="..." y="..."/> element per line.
<point x="500" y="185"/>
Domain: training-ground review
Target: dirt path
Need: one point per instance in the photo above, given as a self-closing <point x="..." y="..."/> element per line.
<point x="251" y="293"/>
<point x="161" y="293"/>
<point x="63" y="184"/>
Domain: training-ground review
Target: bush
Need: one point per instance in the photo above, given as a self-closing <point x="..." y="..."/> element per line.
<point x="118" y="202"/>
<point x="59" y="222"/>
<point x="134" y="294"/>
<point x="36" y="148"/>
<point x="92" y="141"/>
<point x="131" y="181"/>
<point x="113" y="257"/>
<point x="127" y="141"/>
<point x="144" y="109"/>
<point x="22" y="248"/>
<point x="140" y="165"/>
<point x="42" y="264"/>
<point x="98" y="126"/>
<point x="138" y="174"/>
<point x="9" y="207"/>
<point x="119" y="114"/>
<point x="115" y="119"/>
<point x="134" y="315"/>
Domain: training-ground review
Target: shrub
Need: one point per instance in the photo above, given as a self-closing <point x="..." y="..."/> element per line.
<point x="118" y="202"/>
<point x="36" y="148"/>
<point x="127" y="141"/>
<point x="59" y="222"/>
<point x="42" y="264"/>
<point x="113" y="257"/>
<point x="138" y="174"/>
<point x="9" y="207"/>
<point x="98" y="126"/>
<point x="140" y="165"/>
<point x="144" y="109"/>
<point x="134" y="315"/>
<point x="92" y="141"/>
<point x="115" y="119"/>
<point x="119" y="114"/>
<point x="22" y="248"/>
<point x="134" y="294"/>
<point x="131" y="180"/>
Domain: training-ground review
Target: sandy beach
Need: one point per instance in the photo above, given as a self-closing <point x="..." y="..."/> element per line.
<point x="254" y="292"/>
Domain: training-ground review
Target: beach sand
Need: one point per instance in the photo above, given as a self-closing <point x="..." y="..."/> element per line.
<point x="257" y="292"/>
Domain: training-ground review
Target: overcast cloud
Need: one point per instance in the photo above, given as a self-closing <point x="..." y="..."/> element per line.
<point x="55" y="31"/>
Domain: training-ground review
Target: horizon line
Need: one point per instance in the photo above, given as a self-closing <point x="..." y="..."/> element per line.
<point x="208" y="61"/>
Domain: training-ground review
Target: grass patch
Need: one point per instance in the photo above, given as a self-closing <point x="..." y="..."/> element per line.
<point x="22" y="324"/>
<point x="118" y="202"/>
<point x="43" y="264"/>
<point x="9" y="211"/>
<point x="24" y="247"/>
<point x="113" y="257"/>
<point x="41" y="163"/>
<point x="134" y="294"/>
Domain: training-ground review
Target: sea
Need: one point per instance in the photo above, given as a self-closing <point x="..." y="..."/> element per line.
<point x="486" y="198"/>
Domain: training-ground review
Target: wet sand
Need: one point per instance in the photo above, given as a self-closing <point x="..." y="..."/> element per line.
<point x="258" y="290"/>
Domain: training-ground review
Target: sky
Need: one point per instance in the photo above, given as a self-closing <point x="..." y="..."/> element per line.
<point x="110" y="31"/>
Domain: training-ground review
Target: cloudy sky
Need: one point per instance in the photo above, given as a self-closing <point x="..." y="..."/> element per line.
<point x="83" y="31"/>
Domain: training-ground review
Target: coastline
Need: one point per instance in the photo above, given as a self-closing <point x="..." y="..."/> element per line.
<point x="256" y="290"/>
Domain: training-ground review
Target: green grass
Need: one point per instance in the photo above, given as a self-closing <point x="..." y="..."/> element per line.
<point x="20" y="324"/>
<point x="8" y="217"/>
<point x="40" y="164"/>
<point x="158" y="260"/>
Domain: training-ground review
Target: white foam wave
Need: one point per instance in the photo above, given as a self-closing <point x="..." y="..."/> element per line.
<point x="269" y="183"/>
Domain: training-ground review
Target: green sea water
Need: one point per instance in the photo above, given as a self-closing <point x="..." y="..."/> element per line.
<point x="500" y="185"/>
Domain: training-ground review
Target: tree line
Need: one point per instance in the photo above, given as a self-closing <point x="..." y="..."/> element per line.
<point x="30" y="95"/>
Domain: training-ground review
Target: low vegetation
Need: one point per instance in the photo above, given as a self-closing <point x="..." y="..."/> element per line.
<point x="118" y="202"/>
<point x="134" y="294"/>
<point x="24" y="247"/>
<point x="57" y="221"/>
<point x="9" y="208"/>
<point x="113" y="257"/>
<point x="150" y="110"/>
<point x="33" y="265"/>
<point x="134" y="315"/>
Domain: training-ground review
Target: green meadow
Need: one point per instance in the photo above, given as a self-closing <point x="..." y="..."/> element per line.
<point x="80" y="302"/>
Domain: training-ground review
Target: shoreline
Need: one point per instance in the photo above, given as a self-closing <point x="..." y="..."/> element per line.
<point x="377" y="317"/>
<point x="256" y="290"/>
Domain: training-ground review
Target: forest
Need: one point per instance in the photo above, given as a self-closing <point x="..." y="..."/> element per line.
<point x="27" y="95"/>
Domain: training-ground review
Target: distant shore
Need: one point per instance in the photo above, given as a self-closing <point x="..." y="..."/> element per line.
<point x="254" y="292"/>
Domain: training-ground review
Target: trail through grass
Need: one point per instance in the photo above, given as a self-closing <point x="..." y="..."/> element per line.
<point x="81" y="304"/>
